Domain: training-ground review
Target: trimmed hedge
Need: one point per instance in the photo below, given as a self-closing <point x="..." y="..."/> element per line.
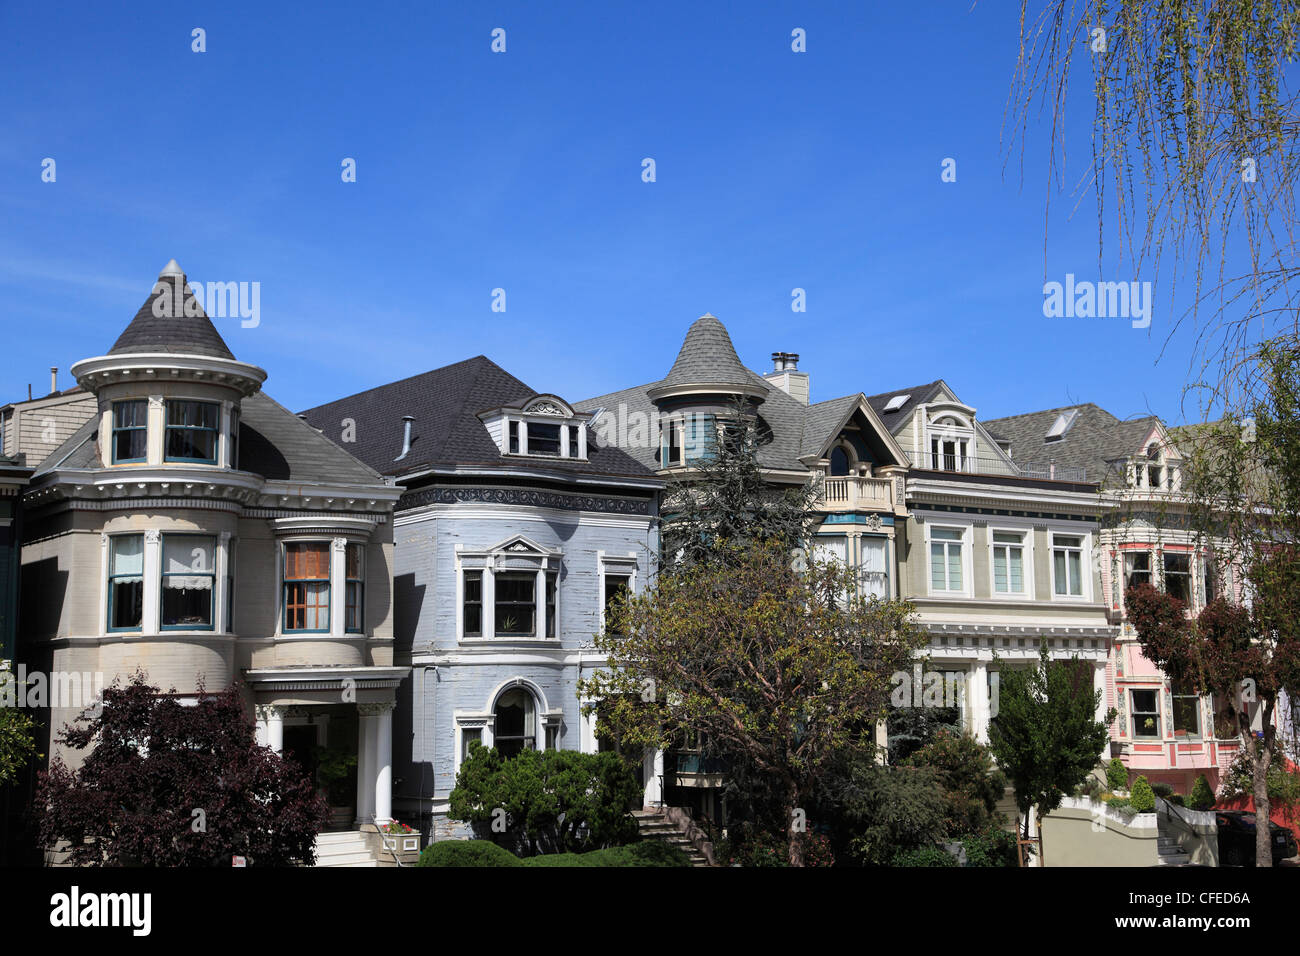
<point x="1117" y="774"/>
<point x="487" y="853"/>
<point x="467" y="853"/>
<point x="924" y="856"/>
<point x="1143" y="798"/>
<point x="1201" y="797"/>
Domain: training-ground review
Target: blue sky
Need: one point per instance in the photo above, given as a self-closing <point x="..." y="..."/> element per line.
<point x="522" y="171"/>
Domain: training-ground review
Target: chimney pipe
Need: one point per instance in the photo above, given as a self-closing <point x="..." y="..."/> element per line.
<point x="54" y="379"/>
<point x="407" y="421"/>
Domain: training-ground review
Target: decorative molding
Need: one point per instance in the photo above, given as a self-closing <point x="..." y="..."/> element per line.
<point x="522" y="496"/>
<point x="375" y="709"/>
<point x="152" y="536"/>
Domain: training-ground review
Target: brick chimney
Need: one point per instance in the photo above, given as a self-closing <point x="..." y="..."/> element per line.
<point x="786" y="376"/>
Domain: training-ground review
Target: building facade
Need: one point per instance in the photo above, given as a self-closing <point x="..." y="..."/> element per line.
<point x="514" y="529"/>
<point x="193" y="528"/>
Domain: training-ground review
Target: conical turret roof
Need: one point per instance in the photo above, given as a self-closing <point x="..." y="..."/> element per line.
<point x="708" y="357"/>
<point x="171" y="320"/>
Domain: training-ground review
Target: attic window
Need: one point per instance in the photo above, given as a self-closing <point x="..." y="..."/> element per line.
<point x="897" y="402"/>
<point x="1062" y="425"/>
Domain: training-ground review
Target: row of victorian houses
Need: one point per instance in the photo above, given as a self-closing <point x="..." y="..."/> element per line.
<point x="397" y="574"/>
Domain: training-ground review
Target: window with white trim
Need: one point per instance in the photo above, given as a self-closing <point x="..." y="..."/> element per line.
<point x="188" y="581"/>
<point x="1176" y="569"/>
<point x="874" y="566"/>
<point x="1067" y="565"/>
<point x="1009" y="562"/>
<point x="515" y="723"/>
<point x="125" y="582"/>
<point x="946" y="560"/>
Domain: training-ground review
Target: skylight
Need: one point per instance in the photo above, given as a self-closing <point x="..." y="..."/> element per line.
<point x="1062" y="425"/>
<point x="895" y="403"/>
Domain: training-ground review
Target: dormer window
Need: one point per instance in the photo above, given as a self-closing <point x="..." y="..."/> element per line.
<point x="130" y="431"/>
<point x="544" y="439"/>
<point x="192" y="429"/>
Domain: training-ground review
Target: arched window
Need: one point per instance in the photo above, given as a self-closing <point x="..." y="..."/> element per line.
<point x="516" y="722"/>
<point x="839" y="462"/>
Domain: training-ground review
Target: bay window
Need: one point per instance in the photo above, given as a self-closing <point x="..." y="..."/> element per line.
<point x="1146" y="713"/>
<point x="125" y="582"/>
<point x="191" y="433"/>
<point x="874" y="571"/>
<point x="188" y="581"/>
<point x="130" y="431"/>
<point x="1177" y="573"/>
<point x="307" y="586"/>
<point x="515" y="608"/>
<point x="355" y="586"/>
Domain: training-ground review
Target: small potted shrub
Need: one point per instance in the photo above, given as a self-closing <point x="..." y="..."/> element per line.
<point x="1201" y="797"/>
<point x="1117" y="775"/>
<point x="1143" y="798"/>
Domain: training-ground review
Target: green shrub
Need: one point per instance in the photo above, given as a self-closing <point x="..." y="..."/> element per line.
<point x="1201" y="797"/>
<point x="1162" y="789"/>
<point x="1177" y="798"/>
<point x="1117" y="774"/>
<point x="554" y="800"/>
<point x="1119" y="803"/>
<point x="971" y="783"/>
<point x="992" y="847"/>
<point x="645" y="853"/>
<point x="466" y="853"/>
<point x="1143" y="799"/>
<point x="924" y="856"/>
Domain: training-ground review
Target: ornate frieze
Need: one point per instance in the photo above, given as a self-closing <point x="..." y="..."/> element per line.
<point x="525" y="497"/>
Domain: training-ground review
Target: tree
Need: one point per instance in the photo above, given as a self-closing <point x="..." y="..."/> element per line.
<point x="1192" y="151"/>
<point x="1241" y="481"/>
<point x="165" y="784"/>
<point x="1046" y="737"/>
<point x="726" y="500"/>
<point x="971" y="784"/>
<point x="778" y="666"/>
<point x="546" y="801"/>
<point x="17" y="731"/>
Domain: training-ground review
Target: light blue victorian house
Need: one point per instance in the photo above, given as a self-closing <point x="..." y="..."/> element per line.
<point x="514" y="530"/>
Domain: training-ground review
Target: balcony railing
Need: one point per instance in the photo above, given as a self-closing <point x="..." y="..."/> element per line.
<point x="970" y="465"/>
<point x="855" y="493"/>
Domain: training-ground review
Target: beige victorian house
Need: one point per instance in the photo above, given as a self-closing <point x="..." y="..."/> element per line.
<point x="195" y="529"/>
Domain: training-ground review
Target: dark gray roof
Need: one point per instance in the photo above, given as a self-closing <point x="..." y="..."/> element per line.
<point x="273" y="443"/>
<point x="823" y="420"/>
<point x="175" y="331"/>
<point x="708" y="357"/>
<point x="1095" y="439"/>
<point x="916" y="395"/>
<point x="447" y="431"/>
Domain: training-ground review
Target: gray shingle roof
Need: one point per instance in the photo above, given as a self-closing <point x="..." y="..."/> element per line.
<point x="175" y="330"/>
<point x="1095" y="439"/>
<point x="916" y="395"/>
<point x="447" y="431"/>
<point x="273" y="443"/>
<point x="707" y="356"/>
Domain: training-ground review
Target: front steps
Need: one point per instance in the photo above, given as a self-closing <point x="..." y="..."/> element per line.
<point x="344" y="848"/>
<point x="656" y="825"/>
<point x="1170" y="853"/>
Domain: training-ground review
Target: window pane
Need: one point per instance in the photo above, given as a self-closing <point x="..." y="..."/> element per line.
<point x="187" y="580"/>
<point x="473" y="603"/>
<point x="129" y="414"/>
<point x="938" y="581"/>
<point x="954" y="567"/>
<point x="516" y="607"/>
<point x="1075" y="565"/>
<point x="355" y="560"/>
<point x="945" y="534"/>
<point x="127" y="554"/>
<point x="543" y="439"/>
<point x="1058" y="563"/>
<point x="307" y="559"/>
<point x="129" y="444"/>
<point x="515" y="726"/>
<point x="616" y="591"/>
<point x="1000" y="570"/>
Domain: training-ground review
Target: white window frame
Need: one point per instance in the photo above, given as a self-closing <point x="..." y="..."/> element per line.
<point x="1085" y="563"/>
<point x="965" y="542"/>
<point x="625" y="565"/>
<point x="544" y="561"/>
<point x="1026" y="533"/>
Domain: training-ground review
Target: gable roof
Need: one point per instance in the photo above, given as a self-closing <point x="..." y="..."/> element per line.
<point x="273" y="443"/>
<point x="1095" y="439"/>
<point x="174" y="330"/>
<point x="916" y="395"/>
<point x="445" y="404"/>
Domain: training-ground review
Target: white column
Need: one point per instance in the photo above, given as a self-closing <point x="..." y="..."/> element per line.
<point x="338" y="585"/>
<point x="488" y="620"/>
<point x="539" y="600"/>
<point x="980" y="715"/>
<point x="151" y="610"/>
<point x="384" y="764"/>
<point x="654" y="770"/>
<point x="273" y="718"/>
<point x="1099" y="684"/>
<point x="365" y="765"/>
